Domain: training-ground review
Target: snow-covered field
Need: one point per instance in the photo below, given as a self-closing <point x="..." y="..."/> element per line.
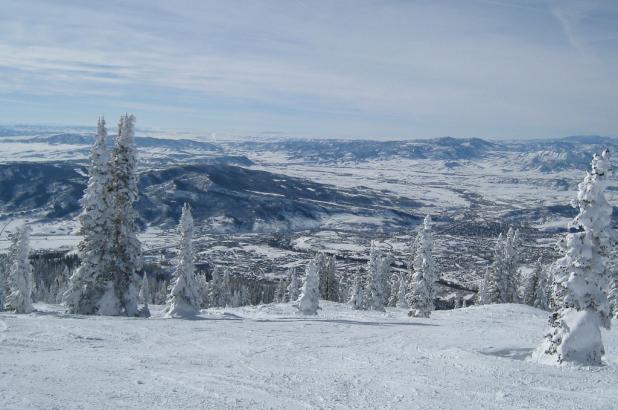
<point x="269" y="357"/>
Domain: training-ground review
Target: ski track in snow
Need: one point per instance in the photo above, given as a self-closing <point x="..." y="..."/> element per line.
<point x="269" y="357"/>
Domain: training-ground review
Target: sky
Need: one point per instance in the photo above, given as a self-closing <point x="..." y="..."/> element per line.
<point x="399" y="69"/>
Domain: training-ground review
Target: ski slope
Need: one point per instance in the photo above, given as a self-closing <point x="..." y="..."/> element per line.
<point x="269" y="357"/>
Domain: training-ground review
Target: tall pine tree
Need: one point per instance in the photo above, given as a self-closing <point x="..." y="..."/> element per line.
<point x="87" y="283"/>
<point x="126" y="256"/>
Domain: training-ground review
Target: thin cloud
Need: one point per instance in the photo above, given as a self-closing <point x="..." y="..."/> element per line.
<point x="408" y="69"/>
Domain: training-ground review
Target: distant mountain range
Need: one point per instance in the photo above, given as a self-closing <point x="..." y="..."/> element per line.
<point x="547" y="155"/>
<point x="544" y="155"/>
<point x="224" y="197"/>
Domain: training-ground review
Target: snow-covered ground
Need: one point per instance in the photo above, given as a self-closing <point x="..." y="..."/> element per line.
<point x="270" y="357"/>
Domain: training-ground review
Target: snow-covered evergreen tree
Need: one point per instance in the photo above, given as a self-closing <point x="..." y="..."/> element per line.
<point x="385" y="267"/>
<point x="126" y="256"/>
<point x="5" y="265"/>
<point x="402" y="290"/>
<point x="329" y="285"/>
<point x="280" y="292"/>
<point x="421" y="292"/>
<point x="293" y="290"/>
<point x="483" y="294"/>
<point x="3" y="280"/>
<point x="87" y="284"/>
<point x="216" y="297"/>
<point x="184" y="298"/>
<point x="161" y="293"/>
<point x="541" y="299"/>
<point x="144" y="295"/>
<point x="613" y="297"/>
<point x="581" y="277"/>
<point x="511" y="274"/>
<point x="309" y="300"/>
<point x="226" y="289"/>
<point x="533" y="281"/>
<point x="375" y="294"/>
<point x="202" y="289"/>
<point x="394" y="282"/>
<point x="493" y="283"/>
<point x="357" y="294"/>
<point x="19" y="299"/>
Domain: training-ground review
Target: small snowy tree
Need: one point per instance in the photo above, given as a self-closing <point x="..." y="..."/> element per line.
<point x="386" y="275"/>
<point x="280" y="291"/>
<point x="5" y="267"/>
<point x="402" y="289"/>
<point x="19" y="299"/>
<point x="87" y="284"/>
<point x="511" y="274"/>
<point x="144" y="295"/>
<point x="375" y="268"/>
<point x="541" y="300"/>
<point x="216" y="296"/>
<point x="533" y="281"/>
<point x="357" y="294"/>
<point x="581" y="277"/>
<point x="613" y="297"/>
<point x="394" y="281"/>
<point x="483" y="294"/>
<point x="202" y="289"/>
<point x="329" y="285"/>
<point x="309" y="301"/>
<point x="226" y="289"/>
<point x="184" y="298"/>
<point x="293" y="290"/>
<point x="421" y="292"/>
<point x="494" y="281"/>
<point x="3" y="280"/>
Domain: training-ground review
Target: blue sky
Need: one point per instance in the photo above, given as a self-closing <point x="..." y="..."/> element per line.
<point x="369" y="69"/>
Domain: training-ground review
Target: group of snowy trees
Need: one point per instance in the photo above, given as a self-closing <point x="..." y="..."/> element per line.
<point x="373" y="287"/>
<point x="189" y="291"/>
<point x="413" y="288"/>
<point x="503" y="282"/>
<point x="110" y="253"/>
<point x="581" y="287"/>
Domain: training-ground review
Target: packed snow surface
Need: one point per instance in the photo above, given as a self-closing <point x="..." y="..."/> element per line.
<point x="272" y="357"/>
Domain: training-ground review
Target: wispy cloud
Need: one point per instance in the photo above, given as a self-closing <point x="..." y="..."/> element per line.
<point x="343" y="68"/>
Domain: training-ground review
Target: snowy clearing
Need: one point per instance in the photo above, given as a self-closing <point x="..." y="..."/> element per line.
<point x="270" y="357"/>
